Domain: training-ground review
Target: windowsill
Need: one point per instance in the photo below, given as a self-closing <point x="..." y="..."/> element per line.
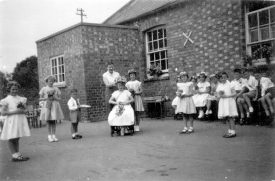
<point x="59" y="84"/>
<point x="262" y="61"/>
<point x="152" y="79"/>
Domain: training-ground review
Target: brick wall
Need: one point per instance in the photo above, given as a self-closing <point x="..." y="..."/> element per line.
<point x="103" y="44"/>
<point x="67" y="43"/>
<point x="87" y="49"/>
<point x="217" y="32"/>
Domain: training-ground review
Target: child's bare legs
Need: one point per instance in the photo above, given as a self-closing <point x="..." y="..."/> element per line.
<point x="271" y="106"/>
<point x="247" y="96"/>
<point x="208" y="107"/>
<point x="240" y="103"/>
<point x="191" y="122"/>
<point x="54" y="130"/>
<point x="232" y="125"/>
<point x="14" y="147"/>
<point x="262" y="100"/>
<point x="185" y="129"/>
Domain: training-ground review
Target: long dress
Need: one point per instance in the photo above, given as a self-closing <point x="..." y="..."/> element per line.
<point x="200" y="99"/>
<point x="135" y="86"/>
<point x="16" y="125"/>
<point x="55" y="111"/>
<point x="126" y="116"/>
<point x="227" y="106"/>
<point x="186" y="104"/>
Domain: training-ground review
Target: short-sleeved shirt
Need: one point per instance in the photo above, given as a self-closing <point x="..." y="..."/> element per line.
<point x="237" y="84"/>
<point x="265" y="83"/>
<point x="10" y="102"/>
<point x="251" y="83"/>
<point x="134" y="85"/>
<point x="109" y="78"/>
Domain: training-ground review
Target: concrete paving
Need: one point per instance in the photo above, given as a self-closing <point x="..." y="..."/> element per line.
<point x="157" y="153"/>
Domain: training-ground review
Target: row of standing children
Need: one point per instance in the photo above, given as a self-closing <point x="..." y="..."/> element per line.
<point x="13" y="112"/>
<point x="240" y="90"/>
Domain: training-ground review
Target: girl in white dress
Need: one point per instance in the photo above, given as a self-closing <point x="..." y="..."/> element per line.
<point x="122" y="114"/>
<point x="202" y="93"/>
<point x="227" y="104"/>
<point x="185" y="103"/>
<point x="16" y="124"/>
<point x="51" y="110"/>
<point x="134" y="86"/>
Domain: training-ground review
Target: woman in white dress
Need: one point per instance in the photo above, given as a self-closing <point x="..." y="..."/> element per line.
<point x="122" y="114"/>
<point x="134" y="86"/>
<point x="227" y="104"/>
<point x="16" y="124"/>
<point x="202" y="93"/>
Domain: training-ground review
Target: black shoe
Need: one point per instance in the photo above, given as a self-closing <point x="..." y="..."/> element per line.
<point x="229" y="135"/>
<point x="78" y="136"/>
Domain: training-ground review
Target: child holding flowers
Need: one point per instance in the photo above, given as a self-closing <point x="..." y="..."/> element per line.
<point x="51" y="111"/>
<point x="16" y="124"/>
<point x="227" y="104"/>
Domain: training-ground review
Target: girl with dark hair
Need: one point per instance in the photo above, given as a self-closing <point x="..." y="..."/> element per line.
<point x="16" y="124"/>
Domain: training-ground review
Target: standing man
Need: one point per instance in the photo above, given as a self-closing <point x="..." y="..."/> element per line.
<point x="109" y="78"/>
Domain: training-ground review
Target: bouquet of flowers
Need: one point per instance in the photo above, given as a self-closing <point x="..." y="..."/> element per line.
<point x="120" y="109"/>
<point x="20" y="105"/>
<point x="264" y="51"/>
<point x="221" y="93"/>
<point x="50" y="94"/>
<point x="154" y="70"/>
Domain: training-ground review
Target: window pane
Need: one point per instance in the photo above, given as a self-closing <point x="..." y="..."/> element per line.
<point x="62" y="71"/>
<point x="264" y="17"/>
<point x="150" y="46"/>
<point x="161" y="43"/>
<point x="157" y="56"/>
<point x="150" y="36"/>
<point x="273" y="31"/>
<point x="151" y="56"/>
<point x="272" y="14"/>
<point x="164" y="33"/>
<point x="162" y="55"/>
<point x="155" y="35"/>
<point x="62" y="61"/>
<point x="252" y="20"/>
<point x="155" y="45"/>
<point x="160" y="34"/>
<point x="253" y="35"/>
<point x="165" y="42"/>
<point x="163" y="64"/>
<point x="56" y="78"/>
<point x="63" y="77"/>
<point x="264" y="32"/>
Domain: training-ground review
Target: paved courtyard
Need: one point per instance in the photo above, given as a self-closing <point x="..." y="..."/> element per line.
<point x="157" y="153"/>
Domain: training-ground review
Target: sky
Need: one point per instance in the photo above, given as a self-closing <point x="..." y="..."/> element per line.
<point x="22" y="22"/>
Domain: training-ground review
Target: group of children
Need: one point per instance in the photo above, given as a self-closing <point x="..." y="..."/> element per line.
<point x="13" y="111"/>
<point x="234" y="97"/>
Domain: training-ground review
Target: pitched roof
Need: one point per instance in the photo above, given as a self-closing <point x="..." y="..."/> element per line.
<point x="136" y="8"/>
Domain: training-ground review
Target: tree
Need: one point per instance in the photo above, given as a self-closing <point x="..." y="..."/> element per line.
<point x="26" y="74"/>
<point x="3" y="85"/>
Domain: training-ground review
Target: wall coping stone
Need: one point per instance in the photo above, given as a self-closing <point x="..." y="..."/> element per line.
<point x="86" y="24"/>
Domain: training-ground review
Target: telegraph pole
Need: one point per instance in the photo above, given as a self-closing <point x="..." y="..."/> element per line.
<point x="81" y="13"/>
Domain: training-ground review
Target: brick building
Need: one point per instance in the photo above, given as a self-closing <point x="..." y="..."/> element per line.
<point x="177" y="35"/>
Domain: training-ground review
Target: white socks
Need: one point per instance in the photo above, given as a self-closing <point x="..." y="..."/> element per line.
<point x="231" y="131"/>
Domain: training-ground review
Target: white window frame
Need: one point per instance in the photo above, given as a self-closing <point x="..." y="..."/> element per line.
<point x="58" y="70"/>
<point x="164" y="48"/>
<point x="249" y="44"/>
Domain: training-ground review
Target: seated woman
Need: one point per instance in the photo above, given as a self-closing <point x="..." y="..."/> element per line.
<point x="122" y="114"/>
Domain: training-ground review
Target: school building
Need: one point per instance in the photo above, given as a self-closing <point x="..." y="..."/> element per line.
<point x="176" y="35"/>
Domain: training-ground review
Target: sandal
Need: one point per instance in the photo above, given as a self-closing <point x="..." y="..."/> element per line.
<point x="20" y="159"/>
